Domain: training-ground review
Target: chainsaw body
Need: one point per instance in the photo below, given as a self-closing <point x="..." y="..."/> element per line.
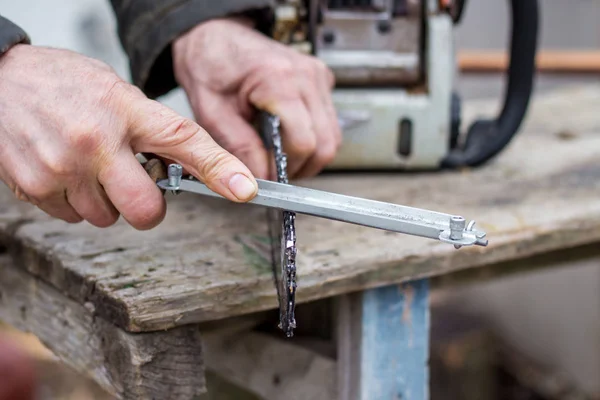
<point x="394" y="64"/>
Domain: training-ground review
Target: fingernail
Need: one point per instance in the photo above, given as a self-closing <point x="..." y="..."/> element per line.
<point x="242" y="187"/>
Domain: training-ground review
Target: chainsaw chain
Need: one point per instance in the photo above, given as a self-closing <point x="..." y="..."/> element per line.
<point x="282" y="231"/>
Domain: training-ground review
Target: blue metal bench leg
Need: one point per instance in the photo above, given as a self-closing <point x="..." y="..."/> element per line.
<point x="383" y="343"/>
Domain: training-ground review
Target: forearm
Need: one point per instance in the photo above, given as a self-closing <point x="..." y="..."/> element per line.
<point x="148" y="27"/>
<point x="10" y="35"/>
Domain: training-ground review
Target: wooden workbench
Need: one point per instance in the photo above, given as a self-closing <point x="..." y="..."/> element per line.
<point x="125" y="306"/>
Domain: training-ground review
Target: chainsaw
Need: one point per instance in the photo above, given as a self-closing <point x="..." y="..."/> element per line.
<point x="394" y="65"/>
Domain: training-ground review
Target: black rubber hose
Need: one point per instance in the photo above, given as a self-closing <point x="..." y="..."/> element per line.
<point x="457" y="12"/>
<point x="487" y="138"/>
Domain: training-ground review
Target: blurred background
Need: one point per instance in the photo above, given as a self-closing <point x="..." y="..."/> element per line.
<point x="540" y="332"/>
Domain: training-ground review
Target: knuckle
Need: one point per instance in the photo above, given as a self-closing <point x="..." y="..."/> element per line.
<point x="313" y="67"/>
<point x="328" y="153"/>
<point x="181" y="130"/>
<point x="338" y="136"/>
<point x="321" y="69"/>
<point x="103" y="214"/>
<point x="34" y="191"/>
<point x="57" y="164"/>
<point x="151" y="218"/>
<point x="104" y="219"/>
<point x="147" y="214"/>
<point x="86" y="138"/>
<point x="339" y="142"/>
<point x="329" y="75"/>
<point x="73" y="219"/>
<point x="304" y="147"/>
<point x="133" y="90"/>
<point x="236" y="147"/>
<point x="20" y="193"/>
<point x="101" y="65"/>
<point x="280" y="66"/>
<point x="308" y="68"/>
<point x="320" y="65"/>
<point x="17" y="190"/>
<point x="213" y="164"/>
<point x="115" y="89"/>
<point x="41" y="194"/>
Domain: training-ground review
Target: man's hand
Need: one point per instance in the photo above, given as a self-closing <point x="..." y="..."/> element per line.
<point x="226" y="67"/>
<point x="69" y="132"/>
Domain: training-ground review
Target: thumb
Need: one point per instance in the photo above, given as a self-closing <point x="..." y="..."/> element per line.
<point x="154" y="128"/>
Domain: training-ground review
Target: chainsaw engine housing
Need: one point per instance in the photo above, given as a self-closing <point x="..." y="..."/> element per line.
<point x="394" y="65"/>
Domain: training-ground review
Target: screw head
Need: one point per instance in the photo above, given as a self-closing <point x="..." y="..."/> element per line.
<point x="328" y="37"/>
<point x="175" y="173"/>
<point x="175" y="170"/>
<point x="384" y="27"/>
<point x="457" y="226"/>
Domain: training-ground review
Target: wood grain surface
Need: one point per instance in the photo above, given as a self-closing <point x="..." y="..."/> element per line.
<point x="128" y="366"/>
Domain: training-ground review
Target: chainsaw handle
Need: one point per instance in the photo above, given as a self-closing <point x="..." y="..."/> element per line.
<point x="486" y="138"/>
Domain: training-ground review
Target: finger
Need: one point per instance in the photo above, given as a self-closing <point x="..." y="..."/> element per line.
<point x="17" y="372"/>
<point x="326" y="82"/>
<point x="278" y="94"/>
<point x="236" y="135"/>
<point x="298" y="135"/>
<point x="58" y="206"/>
<point x="91" y="202"/>
<point x="157" y="129"/>
<point x="37" y="188"/>
<point x="132" y="191"/>
<point x="47" y="197"/>
<point x="326" y="137"/>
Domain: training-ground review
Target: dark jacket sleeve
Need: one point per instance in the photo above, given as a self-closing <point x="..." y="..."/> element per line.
<point x="147" y="28"/>
<point x="10" y="35"/>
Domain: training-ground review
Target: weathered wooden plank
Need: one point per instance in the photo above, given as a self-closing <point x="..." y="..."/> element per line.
<point x="208" y="259"/>
<point x="537" y="263"/>
<point x="156" y="365"/>
<point x="383" y="343"/>
<point x="271" y="368"/>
